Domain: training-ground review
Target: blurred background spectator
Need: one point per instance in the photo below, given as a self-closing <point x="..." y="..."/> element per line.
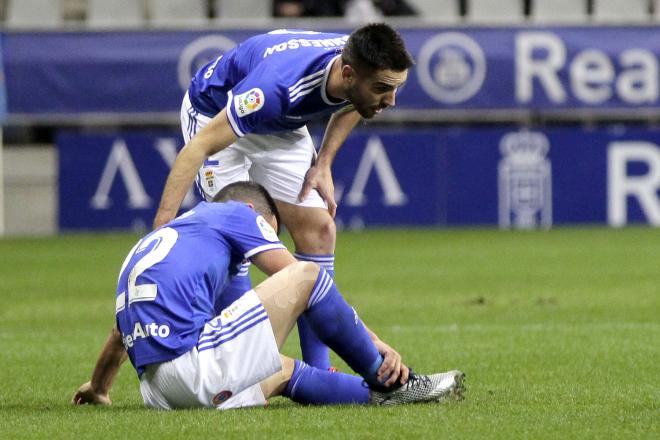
<point x="361" y="9"/>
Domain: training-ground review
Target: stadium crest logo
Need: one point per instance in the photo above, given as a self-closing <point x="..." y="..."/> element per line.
<point x="452" y="67"/>
<point x="525" y="181"/>
<point x="199" y="53"/>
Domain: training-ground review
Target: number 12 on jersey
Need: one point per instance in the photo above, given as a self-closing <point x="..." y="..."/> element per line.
<point x="164" y="240"/>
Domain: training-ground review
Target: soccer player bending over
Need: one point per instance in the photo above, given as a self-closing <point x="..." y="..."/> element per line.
<point x="245" y="116"/>
<point x="189" y="352"/>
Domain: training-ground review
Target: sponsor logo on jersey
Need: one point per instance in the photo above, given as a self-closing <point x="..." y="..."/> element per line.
<point x="221" y="397"/>
<point x="249" y="102"/>
<point x="145" y="331"/>
<point x="266" y="229"/>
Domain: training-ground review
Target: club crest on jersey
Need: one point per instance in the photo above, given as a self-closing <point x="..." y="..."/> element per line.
<point x="222" y="396"/>
<point x="266" y="229"/>
<point x="249" y="102"/>
<point x="210" y="179"/>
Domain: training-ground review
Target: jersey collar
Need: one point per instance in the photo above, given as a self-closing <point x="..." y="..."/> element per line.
<point x="326" y="75"/>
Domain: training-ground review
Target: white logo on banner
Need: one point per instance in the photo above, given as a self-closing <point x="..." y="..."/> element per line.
<point x="121" y="163"/>
<point x="452" y="67"/>
<point x="525" y="181"/>
<point x="622" y="186"/>
<point x="593" y="76"/>
<point x="375" y="158"/>
<point x="199" y="53"/>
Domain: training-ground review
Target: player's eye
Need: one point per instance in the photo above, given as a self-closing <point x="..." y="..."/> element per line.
<point x="382" y="88"/>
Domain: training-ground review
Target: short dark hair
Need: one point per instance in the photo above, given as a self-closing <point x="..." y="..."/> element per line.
<point x="250" y="192"/>
<point x="376" y="46"/>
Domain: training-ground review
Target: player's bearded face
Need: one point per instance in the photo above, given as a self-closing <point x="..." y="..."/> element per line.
<point x="373" y="92"/>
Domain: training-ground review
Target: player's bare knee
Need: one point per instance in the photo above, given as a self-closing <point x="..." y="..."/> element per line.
<point x="304" y="275"/>
<point x="328" y="231"/>
<point x="317" y="238"/>
<point x="294" y="284"/>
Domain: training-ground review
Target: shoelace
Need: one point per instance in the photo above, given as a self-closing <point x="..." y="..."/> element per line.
<point x="415" y="381"/>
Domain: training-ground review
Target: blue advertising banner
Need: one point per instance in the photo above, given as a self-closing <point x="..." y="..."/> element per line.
<point x="3" y="90"/>
<point x="114" y="181"/>
<point x="459" y="176"/>
<point x="536" y="178"/>
<point x="480" y="68"/>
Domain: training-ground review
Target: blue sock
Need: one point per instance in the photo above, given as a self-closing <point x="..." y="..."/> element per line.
<point x="338" y="325"/>
<point x="240" y="284"/>
<point x="314" y="352"/>
<point x="312" y="386"/>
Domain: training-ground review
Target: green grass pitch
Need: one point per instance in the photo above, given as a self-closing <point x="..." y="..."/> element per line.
<point x="558" y="332"/>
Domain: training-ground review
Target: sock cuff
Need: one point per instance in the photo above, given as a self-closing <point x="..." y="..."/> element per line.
<point x="321" y="288"/>
<point x="325" y="261"/>
<point x="291" y="387"/>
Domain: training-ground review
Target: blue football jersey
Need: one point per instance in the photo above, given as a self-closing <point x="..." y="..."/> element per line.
<point x="270" y="82"/>
<point x="171" y="280"/>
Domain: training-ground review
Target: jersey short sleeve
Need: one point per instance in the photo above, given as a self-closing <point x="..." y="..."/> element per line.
<point x="258" y="98"/>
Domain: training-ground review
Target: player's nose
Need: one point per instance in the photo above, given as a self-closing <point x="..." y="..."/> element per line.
<point x="390" y="98"/>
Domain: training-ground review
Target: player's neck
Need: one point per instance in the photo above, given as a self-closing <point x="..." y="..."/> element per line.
<point x="335" y="86"/>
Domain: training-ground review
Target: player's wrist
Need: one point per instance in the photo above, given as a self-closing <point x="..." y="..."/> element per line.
<point x="323" y="163"/>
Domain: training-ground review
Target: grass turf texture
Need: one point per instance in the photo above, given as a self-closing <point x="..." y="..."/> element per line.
<point x="558" y="332"/>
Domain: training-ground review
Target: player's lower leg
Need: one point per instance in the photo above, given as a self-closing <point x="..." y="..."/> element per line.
<point x="314" y="352"/>
<point x="314" y="386"/>
<point x="337" y="324"/>
<point x="305" y="288"/>
<point x="314" y="233"/>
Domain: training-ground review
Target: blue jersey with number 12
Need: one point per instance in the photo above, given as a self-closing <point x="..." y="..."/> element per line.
<point x="270" y="82"/>
<point x="171" y="280"/>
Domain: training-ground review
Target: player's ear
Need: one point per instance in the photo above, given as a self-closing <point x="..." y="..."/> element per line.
<point x="347" y="73"/>
<point x="250" y="205"/>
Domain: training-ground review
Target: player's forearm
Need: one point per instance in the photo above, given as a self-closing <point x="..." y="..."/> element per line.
<point x="182" y="175"/>
<point x="112" y="356"/>
<point x="216" y="136"/>
<point x="339" y="127"/>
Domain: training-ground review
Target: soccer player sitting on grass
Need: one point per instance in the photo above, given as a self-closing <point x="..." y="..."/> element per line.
<point x="187" y="353"/>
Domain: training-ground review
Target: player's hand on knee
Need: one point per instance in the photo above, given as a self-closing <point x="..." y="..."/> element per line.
<point x="86" y="395"/>
<point x="392" y="368"/>
<point x="320" y="178"/>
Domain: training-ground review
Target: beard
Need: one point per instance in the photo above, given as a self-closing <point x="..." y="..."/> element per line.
<point x="364" y="110"/>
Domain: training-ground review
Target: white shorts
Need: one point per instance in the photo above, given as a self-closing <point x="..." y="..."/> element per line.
<point x="277" y="161"/>
<point x="236" y="351"/>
